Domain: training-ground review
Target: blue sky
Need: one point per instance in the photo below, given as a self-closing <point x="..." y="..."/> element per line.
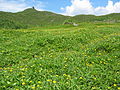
<point x="55" y="5"/>
<point x="65" y="7"/>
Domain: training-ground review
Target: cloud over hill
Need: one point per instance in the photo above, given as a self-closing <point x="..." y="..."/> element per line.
<point x="76" y="7"/>
<point x="19" y="5"/>
<point x="86" y="7"/>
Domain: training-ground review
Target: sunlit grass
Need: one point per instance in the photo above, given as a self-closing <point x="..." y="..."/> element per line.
<point x="72" y="58"/>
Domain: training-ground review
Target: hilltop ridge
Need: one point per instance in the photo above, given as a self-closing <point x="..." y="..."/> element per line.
<point x="32" y="17"/>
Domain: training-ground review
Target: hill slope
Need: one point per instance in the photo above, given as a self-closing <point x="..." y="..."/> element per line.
<point x="32" y="17"/>
<point x="115" y="17"/>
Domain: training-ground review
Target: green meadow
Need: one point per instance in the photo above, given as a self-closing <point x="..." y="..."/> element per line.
<point x="64" y="57"/>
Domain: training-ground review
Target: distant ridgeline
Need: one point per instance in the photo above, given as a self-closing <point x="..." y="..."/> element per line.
<point x="33" y="18"/>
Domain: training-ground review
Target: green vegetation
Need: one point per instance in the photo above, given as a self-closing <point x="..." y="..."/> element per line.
<point x="111" y="18"/>
<point x="33" y="18"/>
<point x="8" y="24"/>
<point x="61" y="57"/>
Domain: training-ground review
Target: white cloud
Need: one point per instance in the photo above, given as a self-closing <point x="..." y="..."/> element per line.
<point x="39" y="5"/>
<point x="86" y="7"/>
<point x="12" y="6"/>
<point x="16" y="5"/>
<point x="79" y="7"/>
<point x="110" y="8"/>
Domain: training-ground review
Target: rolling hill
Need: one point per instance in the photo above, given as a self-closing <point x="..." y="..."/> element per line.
<point x="32" y="18"/>
<point x="114" y="17"/>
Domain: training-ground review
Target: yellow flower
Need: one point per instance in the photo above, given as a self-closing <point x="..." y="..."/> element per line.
<point x="11" y="70"/>
<point x="23" y="83"/>
<point x="65" y="65"/>
<point x="38" y="85"/>
<point x="39" y="82"/>
<point x="115" y="85"/>
<point x="64" y="74"/>
<point x="81" y="77"/>
<point x="23" y="76"/>
<point x="30" y="81"/>
<point x="93" y="87"/>
<point x="54" y="81"/>
<point x="94" y="78"/>
<point x="89" y="64"/>
<point x="49" y="80"/>
<point x="33" y="87"/>
<point x="118" y="88"/>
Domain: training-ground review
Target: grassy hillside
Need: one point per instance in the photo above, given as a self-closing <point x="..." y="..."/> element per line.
<point x="84" y="18"/>
<point x="9" y="24"/>
<point x="86" y="57"/>
<point x="112" y="18"/>
<point x="33" y="18"/>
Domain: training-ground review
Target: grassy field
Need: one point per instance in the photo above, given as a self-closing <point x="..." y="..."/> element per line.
<point x="86" y="57"/>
